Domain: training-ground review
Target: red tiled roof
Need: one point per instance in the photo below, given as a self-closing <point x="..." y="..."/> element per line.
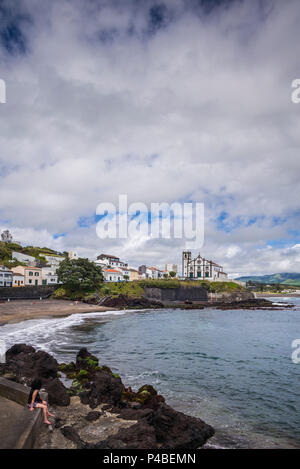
<point x="112" y="270"/>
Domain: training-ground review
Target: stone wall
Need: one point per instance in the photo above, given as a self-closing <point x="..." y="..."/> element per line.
<point x="27" y="293"/>
<point x="195" y="294"/>
<point x="177" y="294"/>
<point x="230" y="297"/>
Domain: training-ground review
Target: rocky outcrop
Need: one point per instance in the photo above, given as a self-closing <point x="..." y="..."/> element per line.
<point x="25" y="363"/>
<point x="124" y="301"/>
<point x="155" y="424"/>
<point x="104" y="388"/>
<point x="162" y="427"/>
<point x="103" y="413"/>
<point x="251" y="303"/>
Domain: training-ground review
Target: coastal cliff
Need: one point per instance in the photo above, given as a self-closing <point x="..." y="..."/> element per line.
<point x="168" y="293"/>
<point x="97" y="410"/>
<point x="196" y="294"/>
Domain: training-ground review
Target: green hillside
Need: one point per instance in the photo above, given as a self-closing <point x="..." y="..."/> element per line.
<point x="6" y="250"/>
<point x="283" y="279"/>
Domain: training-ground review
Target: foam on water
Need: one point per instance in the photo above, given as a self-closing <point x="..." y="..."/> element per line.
<point x="44" y="333"/>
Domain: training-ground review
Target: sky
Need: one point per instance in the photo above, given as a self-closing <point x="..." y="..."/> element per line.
<point x="168" y="101"/>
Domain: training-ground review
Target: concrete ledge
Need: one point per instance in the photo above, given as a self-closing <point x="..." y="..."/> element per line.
<point x="14" y="391"/>
<point x="21" y="427"/>
<point x="31" y="431"/>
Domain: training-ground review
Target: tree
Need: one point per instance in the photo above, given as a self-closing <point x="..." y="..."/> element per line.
<point x="6" y="236"/>
<point x="126" y="277"/>
<point x="172" y="274"/>
<point x="79" y="274"/>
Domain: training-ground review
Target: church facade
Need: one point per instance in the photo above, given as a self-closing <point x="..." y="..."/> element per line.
<point x="200" y="268"/>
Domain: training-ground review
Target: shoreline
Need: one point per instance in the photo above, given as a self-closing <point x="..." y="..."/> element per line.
<point x="16" y="311"/>
<point x="22" y="310"/>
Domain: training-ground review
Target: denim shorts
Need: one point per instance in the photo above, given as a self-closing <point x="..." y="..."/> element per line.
<point x="34" y="405"/>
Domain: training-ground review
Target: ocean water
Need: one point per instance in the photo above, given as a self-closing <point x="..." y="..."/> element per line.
<point x="233" y="368"/>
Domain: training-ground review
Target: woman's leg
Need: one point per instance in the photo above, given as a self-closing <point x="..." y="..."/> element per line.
<point x="44" y="407"/>
<point x="48" y="413"/>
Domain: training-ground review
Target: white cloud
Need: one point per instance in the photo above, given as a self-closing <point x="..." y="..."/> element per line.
<point x="200" y="110"/>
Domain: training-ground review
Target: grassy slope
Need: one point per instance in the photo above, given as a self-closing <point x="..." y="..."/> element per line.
<point x="37" y="252"/>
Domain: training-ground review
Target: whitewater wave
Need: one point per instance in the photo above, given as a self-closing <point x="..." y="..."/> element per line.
<point x="46" y="333"/>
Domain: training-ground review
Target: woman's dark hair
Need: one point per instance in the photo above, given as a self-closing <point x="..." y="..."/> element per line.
<point x="36" y="383"/>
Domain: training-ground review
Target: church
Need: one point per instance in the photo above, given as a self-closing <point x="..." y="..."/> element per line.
<point x="201" y="269"/>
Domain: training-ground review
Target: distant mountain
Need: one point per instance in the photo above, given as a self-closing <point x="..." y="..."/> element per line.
<point x="284" y="278"/>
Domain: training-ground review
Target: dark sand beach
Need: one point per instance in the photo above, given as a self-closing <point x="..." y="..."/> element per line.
<point x="21" y="310"/>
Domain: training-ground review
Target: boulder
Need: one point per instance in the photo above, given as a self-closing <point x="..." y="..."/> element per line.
<point x="105" y="388"/>
<point x="124" y="301"/>
<point x="163" y="428"/>
<point x="26" y="364"/>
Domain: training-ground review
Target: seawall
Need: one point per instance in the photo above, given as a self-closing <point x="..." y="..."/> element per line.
<point x="196" y="294"/>
<point x="177" y="294"/>
<point x="27" y="293"/>
<point x="19" y="428"/>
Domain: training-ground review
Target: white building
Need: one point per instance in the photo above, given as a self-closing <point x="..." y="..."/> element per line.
<point x="113" y="275"/>
<point x="72" y="255"/>
<point x="6" y="277"/>
<point x="155" y="273"/>
<point x="125" y="271"/>
<point x="150" y="272"/>
<point x="49" y="276"/>
<point x="145" y="272"/>
<point x="200" y="268"/>
<point x="54" y="260"/>
<point x="18" y="280"/>
<point x="24" y="258"/>
<point x="105" y="260"/>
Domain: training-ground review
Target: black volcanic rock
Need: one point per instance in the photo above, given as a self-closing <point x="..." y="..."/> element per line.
<point x="163" y="428"/>
<point x="252" y="303"/>
<point x="104" y="388"/>
<point x="26" y="364"/>
<point x="154" y="424"/>
<point x="124" y="301"/>
<point x="92" y="416"/>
